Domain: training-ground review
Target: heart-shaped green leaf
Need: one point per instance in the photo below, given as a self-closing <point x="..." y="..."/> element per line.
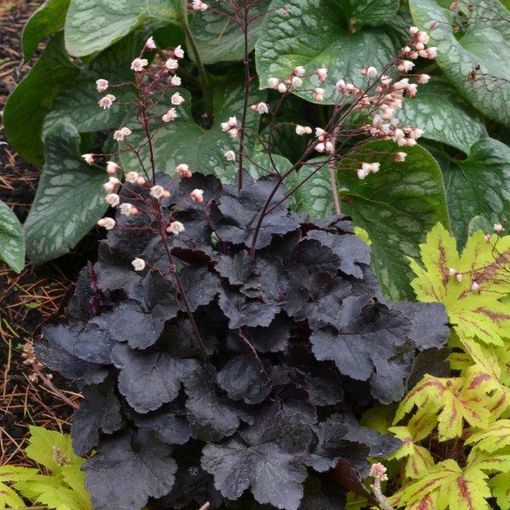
<point x="485" y="42"/>
<point x="373" y="12"/>
<point x="315" y="34"/>
<point x="218" y="38"/>
<point x="443" y="116"/>
<point x="186" y="141"/>
<point x="93" y="25"/>
<point x="397" y="206"/>
<point x="28" y="104"/>
<point x="46" y="21"/>
<point x="69" y="198"/>
<point x="12" y="240"/>
<point x="478" y="185"/>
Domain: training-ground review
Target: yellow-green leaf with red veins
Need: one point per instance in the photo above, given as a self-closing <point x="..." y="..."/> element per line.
<point x="493" y="438"/>
<point x="500" y="486"/>
<point x="455" y="399"/>
<point x="419" y="460"/>
<point x="484" y="263"/>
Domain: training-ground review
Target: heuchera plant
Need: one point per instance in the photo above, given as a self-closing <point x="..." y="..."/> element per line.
<point x="225" y="344"/>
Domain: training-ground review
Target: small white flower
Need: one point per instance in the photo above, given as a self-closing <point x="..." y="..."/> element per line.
<point x="318" y="94"/>
<point x="183" y="171"/>
<point x="150" y="44"/>
<point x="282" y="88"/>
<point x="197" y="195"/>
<point x="431" y="53"/>
<point x="475" y="287"/>
<point x="176" y="81"/>
<point x="132" y="177"/>
<point x="372" y="72"/>
<point x="406" y="66"/>
<point x="452" y="271"/>
<point x="138" y="64"/>
<point x="102" y="85"/>
<point x="321" y="134"/>
<point x="170" y="115"/>
<point x="177" y="99"/>
<point x="303" y="130"/>
<point x="320" y="147"/>
<point x="121" y="133"/>
<point x="260" y="108"/>
<point x="172" y="64"/>
<point x="498" y="228"/>
<point x="371" y="167"/>
<point x="230" y="155"/>
<point x="422" y="79"/>
<point x="158" y="192"/>
<point x="400" y="157"/>
<point x="141" y="180"/>
<point x="107" y="223"/>
<point x="378" y="471"/>
<point x="362" y="173"/>
<point x="175" y="228"/>
<point x="112" y="168"/>
<point x="229" y="124"/>
<point x="88" y="158"/>
<point x="112" y="199"/>
<point x="299" y="71"/>
<point x="179" y="52"/>
<point x="296" y="82"/>
<point x="322" y="73"/>
<point x="138" y="264"/>
<point x="459" y="277"/>
<point x="127" y="209"/>
<point x="198" y="5"/>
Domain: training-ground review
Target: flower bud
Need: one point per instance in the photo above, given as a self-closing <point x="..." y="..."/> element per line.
<point x="197" y="195"/>
<point x="107" y="223"/>
<point x="138" y="264"/>
<point x="175" y="228"/>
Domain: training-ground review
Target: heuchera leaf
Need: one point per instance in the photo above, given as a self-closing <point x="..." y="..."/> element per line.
<point x="473" y="314"/>
<point x="141" y="466"/>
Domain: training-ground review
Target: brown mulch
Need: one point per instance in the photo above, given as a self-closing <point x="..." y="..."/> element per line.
<point x="28" y="393"/>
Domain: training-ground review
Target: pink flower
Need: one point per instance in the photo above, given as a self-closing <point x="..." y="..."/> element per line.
<point x="112" y="199"/>
<point x="112" y="168"/>
<point x="197" y="195"/>
<point x="296" y="82"/>
<point x="102" y="85"/>
<point x="475" y="287"/>
<point x="89" y="158"/>
<point x="127" y="209"/>
<point x="112" y="185"/>
<point x="299" y="71"/>
<point x="400" y="157"/>
<point x="107" y="223"/>
<point x="132" y="177"/>
<point x="121" y="133"/>
<point x="158" y="192"/>
<point x="179" y="52"/>
<point x="423" y="79"/>
<point x="282" y="88"/>
<point x="171" y="64"/>
<point x="150" y="44"/>
<point x="175" y="81"/>
<point x="322" y="74"/>
<point x="371" y="167"/>
<point x="230" y="155"/>
<point x="198" y="5"/>
<point x="175" y="228"/>
<point x="138" y="264"/>
<point x="177" y="99"/>
<point x="406" y="66"/>
<point x="170" y="115"/>
<point x="260" y="108"/>
<point x="378" y="471"/>
<point x="138" y="64"/>
<point x="454" y="6"/>
<point x="318" y="94"/>
<point x="183" y="171"/>
<point x="230" y="127"/>
<point x="498" y="228"/>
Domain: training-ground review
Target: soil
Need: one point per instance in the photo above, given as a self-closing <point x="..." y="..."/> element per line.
<point x="29" y="394"/>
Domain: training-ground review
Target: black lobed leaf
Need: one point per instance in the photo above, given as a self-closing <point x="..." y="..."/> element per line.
<point x="200" y="285"/>
<point x="99" y="412"/>
<point x="129" y="469"/>
<point x="150" y="379"/>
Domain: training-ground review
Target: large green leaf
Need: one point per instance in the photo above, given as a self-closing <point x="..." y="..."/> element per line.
<point x="93" y="25"/>
<point x="185" y="141"/>
<point x="69" y="199"/>
<point x="45" y="21"/>
<point x="12" y="240"/>
<point x="478" y="185"/>
<point x="443" y="116"/>
<point x="397" y="206"/>
<point x="373" y="12"/>
<point x="78" y="101"/>
<point x="33" y="97"/>
<point x="314" y="34"/>
<point x="485" y="43"/>
<point x="218" y="38"/>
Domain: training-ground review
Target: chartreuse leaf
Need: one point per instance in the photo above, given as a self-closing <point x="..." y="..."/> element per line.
<point x="93" y="25"/>
<point x="454" y="400"/>
<point x="218" y="38"/>
<point x="45" y="21"/>
<point x="28" y="104"/>
<point x="315" y="34"/>
<point x="500" y="486"/>
<point x="12" y="239"/>
<point x="492" y="438"/>
<point x="9" y="498"/>
<point x="397" y="206"/>
<point x="186" y="141"/>
<point x="473" y="314"/>
<point x="69" y="198"/>
<point x="484" y="42"/>
<point x="443" y="116"/>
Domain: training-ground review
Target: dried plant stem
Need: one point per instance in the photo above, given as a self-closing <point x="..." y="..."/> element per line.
<point x="332" y="172"/>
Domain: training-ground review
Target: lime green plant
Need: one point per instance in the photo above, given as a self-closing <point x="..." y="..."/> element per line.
<point x="455" y="430"/>
<point x="58" y="483"/>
